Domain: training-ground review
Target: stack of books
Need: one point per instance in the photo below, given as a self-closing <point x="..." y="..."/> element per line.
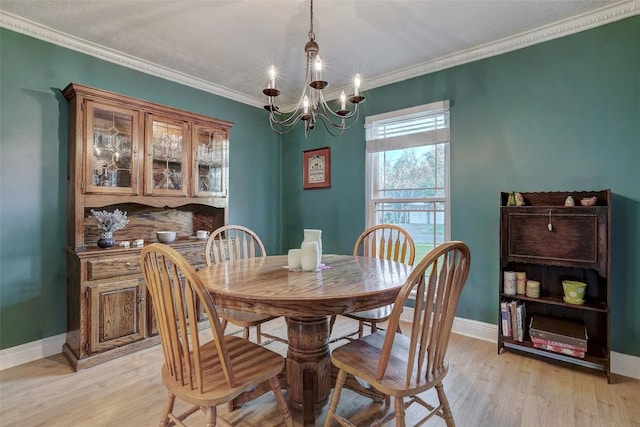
<point x="513" y="315"/>
<point x="559" y="335"/>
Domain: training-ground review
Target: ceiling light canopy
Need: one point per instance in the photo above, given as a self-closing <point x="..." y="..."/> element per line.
<point x="312" y="108"/>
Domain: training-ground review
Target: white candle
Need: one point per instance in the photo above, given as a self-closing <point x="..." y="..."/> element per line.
<point x="343" y="101"/>
<point x="356" y="85"/>
<point x="318" y="68"/>
<point x="305" y="104"/>
<point x="510" y="282"/>
<point x="272" y="77"/>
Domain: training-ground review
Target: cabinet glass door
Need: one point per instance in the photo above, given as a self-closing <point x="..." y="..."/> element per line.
<point x="167" y="154"/>
<point x="112" y="141"/>
<point x="210" y="153"/>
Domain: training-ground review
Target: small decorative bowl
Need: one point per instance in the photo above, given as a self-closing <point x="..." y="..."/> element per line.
<point x="574" y="291"/>
<point x="589" y="201"/>
<point x="166" y="236"/>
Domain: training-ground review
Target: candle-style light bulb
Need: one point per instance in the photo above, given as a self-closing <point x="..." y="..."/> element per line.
<point x="305" y="104"/>
<point x="343" y="101"/>
<point x="318" y="67"/>
<point x="272" y="77"/>
<point x="356" y="85"/>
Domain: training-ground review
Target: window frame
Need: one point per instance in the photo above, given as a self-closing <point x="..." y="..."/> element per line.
<point x="418" y="139"/>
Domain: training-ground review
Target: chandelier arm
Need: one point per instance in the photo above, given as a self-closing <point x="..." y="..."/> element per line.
<point x="336" y="115"/>
<point x="288" y="127"/>
<point x="332" y="129"/>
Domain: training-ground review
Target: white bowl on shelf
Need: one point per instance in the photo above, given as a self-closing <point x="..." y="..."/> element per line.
<point x="166" y="236"/>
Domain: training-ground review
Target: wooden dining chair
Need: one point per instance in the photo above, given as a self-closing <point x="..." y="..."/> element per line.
<point x="204" y="375"/>
<point x="400" y="365"/>
<point x="384" y="241"/>
<point x="229" y="243"/>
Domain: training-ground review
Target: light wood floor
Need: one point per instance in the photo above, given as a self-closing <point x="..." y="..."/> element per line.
<point x="484" y="389"/>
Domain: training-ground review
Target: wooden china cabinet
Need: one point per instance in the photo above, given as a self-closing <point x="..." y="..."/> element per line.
<point x="168" y="169"/>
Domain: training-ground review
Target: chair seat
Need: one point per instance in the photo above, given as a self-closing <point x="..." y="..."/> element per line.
<point x="361" y="357"/>
<point x="243" y="318"/>
<point x="252" y="364"/>
<point x="380" y="314"/>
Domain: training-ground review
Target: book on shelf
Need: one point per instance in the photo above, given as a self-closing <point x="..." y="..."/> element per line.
<point x="504" y="313"/>
<point x="521" y="314"/>
<point x="513" y="317"/>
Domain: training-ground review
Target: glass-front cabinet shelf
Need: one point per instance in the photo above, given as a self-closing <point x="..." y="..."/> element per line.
<point x="210" y="166"/>
<point x="167" y="151"/>
<point x="112" y="134"/>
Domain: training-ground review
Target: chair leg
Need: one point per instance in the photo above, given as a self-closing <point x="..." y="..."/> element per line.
<point x="374" y="327"/>
<point x="282" y="404"/>
<point x="245" y="334"/>
<point x="337" y="389"/>
<point x="224" y="325"/>
<point x="168" y="408"/>
<point x="258" y="335"/>
<point x="446" y="410"/>
<point x="211" y="416"/>
<point x="360" y="329"/>
<point x="398" y="404"/>
<point x="332" y="322"/>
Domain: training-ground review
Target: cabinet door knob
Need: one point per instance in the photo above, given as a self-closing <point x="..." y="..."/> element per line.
<point x="132" y="266"/>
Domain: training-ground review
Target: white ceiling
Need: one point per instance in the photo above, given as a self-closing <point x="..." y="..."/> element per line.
<point x="226" y="46"/>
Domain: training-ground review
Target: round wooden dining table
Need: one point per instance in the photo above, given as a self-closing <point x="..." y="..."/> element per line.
<point x="343" y="284"/>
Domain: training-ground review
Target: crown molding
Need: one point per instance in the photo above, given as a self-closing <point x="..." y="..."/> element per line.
<point x="576" y="24"/>
<point x="38" y="31"/>
<point x="618" y="11"/>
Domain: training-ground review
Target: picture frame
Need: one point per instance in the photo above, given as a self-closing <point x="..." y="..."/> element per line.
<point x="316" y="168"/>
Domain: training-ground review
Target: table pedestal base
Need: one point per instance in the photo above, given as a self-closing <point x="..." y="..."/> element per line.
<point x="308" y="363"/>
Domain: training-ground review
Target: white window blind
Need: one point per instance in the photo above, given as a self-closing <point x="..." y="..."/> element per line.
<point x="410" y="127"/>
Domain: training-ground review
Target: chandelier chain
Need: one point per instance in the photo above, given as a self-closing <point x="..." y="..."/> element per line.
<point x="312" y="35"/>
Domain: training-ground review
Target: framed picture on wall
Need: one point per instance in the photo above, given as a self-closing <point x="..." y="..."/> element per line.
<point x="316" y="168"/>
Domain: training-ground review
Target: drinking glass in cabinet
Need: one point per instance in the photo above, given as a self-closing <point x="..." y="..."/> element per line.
<point x="112" y="150"/>
<point x="210" y="160"/>
<point x="167" y="156"/>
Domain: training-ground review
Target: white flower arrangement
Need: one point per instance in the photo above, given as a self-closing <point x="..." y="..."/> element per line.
<point x="110" y="221"/>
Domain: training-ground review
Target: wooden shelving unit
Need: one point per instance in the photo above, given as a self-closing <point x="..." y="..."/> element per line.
<point x="576" y="246"/>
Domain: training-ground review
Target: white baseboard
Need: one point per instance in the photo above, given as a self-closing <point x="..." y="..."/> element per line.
<point x="621" y="364"/>
<point x="31" y="351"/>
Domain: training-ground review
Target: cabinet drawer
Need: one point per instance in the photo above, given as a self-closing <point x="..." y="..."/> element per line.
<point x="104" y="268"/>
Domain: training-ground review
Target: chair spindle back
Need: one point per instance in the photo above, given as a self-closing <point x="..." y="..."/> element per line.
<point x="232" y="242"/>
<point x="176" y="292"/>
<point x="438" y="281"/>
<point x="386" y="241"/>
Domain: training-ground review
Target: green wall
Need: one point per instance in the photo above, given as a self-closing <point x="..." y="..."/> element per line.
<point x="562" y="115"/>
<point x="558" y="116"/>
<point x="33" y="144"/>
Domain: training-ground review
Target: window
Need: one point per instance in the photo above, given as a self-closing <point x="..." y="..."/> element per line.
<point x="408" y="173"/>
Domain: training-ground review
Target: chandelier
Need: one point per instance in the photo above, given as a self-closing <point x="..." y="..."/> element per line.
<point x="312" y="108"/>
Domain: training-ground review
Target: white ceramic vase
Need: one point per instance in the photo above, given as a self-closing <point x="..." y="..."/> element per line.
<point x="312" y="235"/>
<point x="309" y="256"/>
